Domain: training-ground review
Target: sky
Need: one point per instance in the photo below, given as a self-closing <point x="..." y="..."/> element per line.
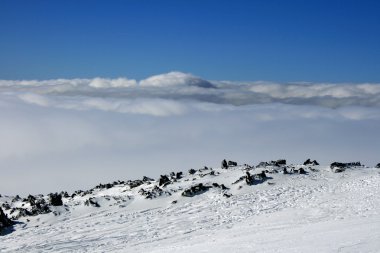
<point x="97" y="91"/>
<point x="275" y="40"/>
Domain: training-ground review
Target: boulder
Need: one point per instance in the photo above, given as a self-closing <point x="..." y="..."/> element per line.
<point x="308" y="162"/>
<point x="377" y="166"/>
<point x="278" y="163"/>
<point x="4" y="220"/>
<point x="92" y="202"/>
<point x="55" y="199"/>
<point x="153" y="193"/>
<point x="224" y="164"/>
<point x="134" y="183"/>
<point x="164" y="180"/>
<point x="179" y="175"/>
<point x="231" y="163"/>
<point x="281" y="162"/>
<point x="340" y="167"/>
<point x="249" y="179"/>
<point x="147" y="179"/>
<point x="195" y="190"/>
<point x="192" y="171"/>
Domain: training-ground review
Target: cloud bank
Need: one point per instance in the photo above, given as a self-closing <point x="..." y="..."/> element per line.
<point x="170" y="94"/>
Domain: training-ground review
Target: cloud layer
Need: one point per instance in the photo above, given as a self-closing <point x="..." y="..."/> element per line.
<point x="170" y="94"/>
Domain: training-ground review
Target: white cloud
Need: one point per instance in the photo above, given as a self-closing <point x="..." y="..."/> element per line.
<point x="177" y="86"/>
<point x="153" y="107"/>
<point x="112" y="83"/>
<point x="35" y="99"/>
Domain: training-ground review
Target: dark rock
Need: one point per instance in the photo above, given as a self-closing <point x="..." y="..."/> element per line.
<point x="308" y="162"/>
<point x="340" y="167"/>
<point x="278" y="163"/>
<point x="4" y="220"/>
<point x="227" y="195"/>
<point x="6" y="206"/>
<point x="92" y="202"/>
<point x="204" y="168"/>
<point x="301" y="171"/>
<point x="249" y="179"/>
<point x="192" y="171"/>
<point x="153" y="193"/>
<point x="222" y="186"/>
<point x="377" y="166"/>
<point x="285" y="171"/>
<point x="232" y="163"/>
<point x="195" y="190"/>
<point x="239" y="180"/>
<point x="5" y="223"/>
<point x="262" y="175"/>
<point x="104" y="186"/>
<point x="31" y="199"/>
<point x="16" y="198"/>
<point x="55" y="199"/>
<point x="164" y="180"/>
<point x="65" y="194"/>
<point x="179" y="175"/>
<point x="224" y="164"/>
<point x="147" y="179"/>
<point x="134" y="183"/>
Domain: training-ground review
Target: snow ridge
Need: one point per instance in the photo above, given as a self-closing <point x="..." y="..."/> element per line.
<point x="238" y="208"/>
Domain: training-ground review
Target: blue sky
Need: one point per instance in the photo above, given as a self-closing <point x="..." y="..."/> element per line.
<point x="318" y="41"/>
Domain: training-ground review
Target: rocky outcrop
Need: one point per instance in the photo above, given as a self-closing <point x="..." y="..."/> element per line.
<point x="147" y="179"/>
<point x="153" y="193"/>
<point x="195" y="190"/>
<point x="55" y="199"/>
<point x="308" y="162"/>
<point x="221" y="186"/>
<point x="340" y="167"/>
<point x="224" y="164"/>
<point x="252" y="179"/>
<point x="232" y="163"/>
<point x="377" y="166"/>
<point x="4" y="220"/>
<point x="164" y="180"/>
<point x="134" y="183"/>
<point x="278" y="163"/>
<point x="92" y="202"/>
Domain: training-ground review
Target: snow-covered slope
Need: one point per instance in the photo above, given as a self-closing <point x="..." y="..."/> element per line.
<point x="208" y="210"/>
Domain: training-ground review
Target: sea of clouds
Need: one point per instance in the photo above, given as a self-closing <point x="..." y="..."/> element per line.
<point x="73" y="133"/>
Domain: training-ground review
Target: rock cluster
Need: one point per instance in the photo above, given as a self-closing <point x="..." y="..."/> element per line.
<point x="153" y="193"/>
<point x="308" y="162"/>
<point x="195" y="190"/>
<point x="55" y="199"/>
<point x="340" y="167"/>
<point x="278" y="163"/>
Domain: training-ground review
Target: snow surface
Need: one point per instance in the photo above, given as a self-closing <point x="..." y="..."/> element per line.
<point x="321" y="211"/>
